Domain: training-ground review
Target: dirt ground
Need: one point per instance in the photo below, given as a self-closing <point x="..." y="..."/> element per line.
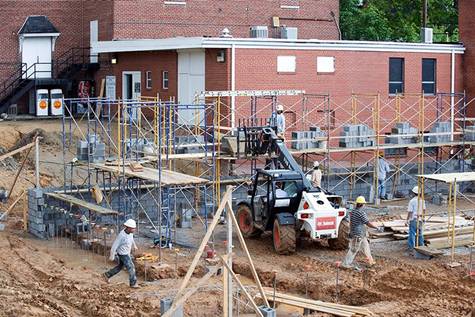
<point x="57" y="278"/>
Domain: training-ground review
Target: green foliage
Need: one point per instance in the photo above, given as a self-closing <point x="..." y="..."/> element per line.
<point x="397" y="20"/>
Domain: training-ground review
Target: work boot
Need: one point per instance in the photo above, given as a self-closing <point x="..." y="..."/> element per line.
<point x="105" y="278"/>
<point x="135" y="286"/>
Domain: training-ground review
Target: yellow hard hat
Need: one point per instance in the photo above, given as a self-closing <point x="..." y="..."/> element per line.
<point x="360" y="200"/>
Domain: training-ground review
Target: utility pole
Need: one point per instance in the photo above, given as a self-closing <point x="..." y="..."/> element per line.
<point x="424" y="14"/>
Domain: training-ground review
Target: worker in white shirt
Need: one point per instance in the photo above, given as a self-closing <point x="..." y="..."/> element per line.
<point x="280" y="121"/>
<point x="383" y="170"/>
<point x="415" y="210"/>
<point x="316" y="175"/>
<point x="122" y="248"/>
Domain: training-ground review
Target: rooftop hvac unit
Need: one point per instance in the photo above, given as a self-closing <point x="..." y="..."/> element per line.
<point x="289" y="33"/>
<point x="259" y="31"/>
<point x="427" y="35"/>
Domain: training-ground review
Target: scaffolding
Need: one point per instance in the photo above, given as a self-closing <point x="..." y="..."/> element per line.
<point x="130" y="150"/>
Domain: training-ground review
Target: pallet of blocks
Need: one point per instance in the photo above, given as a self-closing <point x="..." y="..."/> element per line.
<point x="316" y="305"/>
<point x="438" y="231"/>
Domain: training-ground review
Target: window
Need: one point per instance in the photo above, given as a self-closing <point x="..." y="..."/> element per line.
<point x="396" y="76"/>
<point x="429" y="66"/>
<point x="286" y="64"/>
<point x="175" y="2"/>
<point x="165" y="79"/>
<point x="325" y="64"/>
<point x="148" y="80"/>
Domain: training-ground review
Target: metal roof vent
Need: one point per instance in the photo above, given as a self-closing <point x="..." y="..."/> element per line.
<point x="259" y="31"/>
<point x="225" y="33"/>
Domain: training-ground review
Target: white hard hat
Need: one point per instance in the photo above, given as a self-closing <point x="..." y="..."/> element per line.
<point x="316" y="164"/>
<point x="130" y="223"/>
<point x="415" y="190"/>
<point x="280" y="108"/>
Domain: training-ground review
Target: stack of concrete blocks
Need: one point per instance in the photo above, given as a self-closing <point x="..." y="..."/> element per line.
<point x="188" y="144"/>
<point x="400" y="131"/>
<point x="440" y="127"/>
<point x="469" y="133"/>
<point x="36" y="206"/>
<point x="303" y="140"/>
<point x="92" y="149"/>
<point x="356" y="136"/>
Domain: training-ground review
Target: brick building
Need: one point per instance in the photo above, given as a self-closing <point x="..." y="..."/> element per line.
<point x="173" y="48"/>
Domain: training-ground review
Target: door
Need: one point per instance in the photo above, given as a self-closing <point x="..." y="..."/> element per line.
<point x="37" y="50"/>
<point x="131" y="91"/>
<point x="191" y="79"/>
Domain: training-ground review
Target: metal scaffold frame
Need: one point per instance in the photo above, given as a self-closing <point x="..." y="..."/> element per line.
<point x="126" y="127"/>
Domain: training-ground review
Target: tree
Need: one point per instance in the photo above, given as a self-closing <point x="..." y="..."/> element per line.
<point x="397" y="20"/>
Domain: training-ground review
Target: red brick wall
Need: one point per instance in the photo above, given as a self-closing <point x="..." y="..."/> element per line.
<point x="156" y="62"/>
<point x="155" y="19"/>
<point x="355" y="72"/>
<point x="467" y="36"/>
<point x="218" y="77"/>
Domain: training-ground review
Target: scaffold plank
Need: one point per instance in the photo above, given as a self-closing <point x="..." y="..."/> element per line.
<point x="167" y="177"/>
<point x="82" y="203"/>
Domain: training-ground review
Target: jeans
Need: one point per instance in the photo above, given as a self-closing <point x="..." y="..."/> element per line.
<point x="124" y="260"/>
<point x="357" y="244"/>
<point x="411" y="240"/>
<point x="382" y="188"/>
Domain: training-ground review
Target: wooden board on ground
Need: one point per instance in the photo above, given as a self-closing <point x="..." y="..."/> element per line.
<point x="82" y="203"/>
<point x="444" y="243"/>
<point x="167" y="177"/>
<point x="428" y="251"/>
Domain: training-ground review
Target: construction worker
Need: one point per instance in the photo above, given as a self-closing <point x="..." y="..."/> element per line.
<point x="280" y="121"/>
<point x="358" y="235"/>
<point x="122" y="248"/>
<point x="383" y="169"/>
<point x="415" y="209"/>
<point x="316" y="175"/>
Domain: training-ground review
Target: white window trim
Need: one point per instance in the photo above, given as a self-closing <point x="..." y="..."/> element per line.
<point x="175" y="2"/>
<point x="148" y="79"/>
<point x="325" y="64"/>
<point x="286" y="64"/>
<point x="167" y="80"/>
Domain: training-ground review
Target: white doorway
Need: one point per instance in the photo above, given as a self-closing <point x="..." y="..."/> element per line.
<point x="191" y="79"/>
<point x="131" y="90"/>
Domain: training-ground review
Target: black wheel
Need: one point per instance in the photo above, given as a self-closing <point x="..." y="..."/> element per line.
<point x="341" y="243"/>
<point x="246" y="224"/>
<point x="285" y="239"/>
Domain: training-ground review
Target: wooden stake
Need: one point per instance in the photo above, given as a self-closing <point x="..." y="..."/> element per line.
<point x="205" y="240"/>
<point x="18" y="173"/>
<point x="235" y="278"/>
<point x="12" y="205"/>
<point x="190" y="292"/>
<point x="248" y="255"/>
<point x="4" y="156"/>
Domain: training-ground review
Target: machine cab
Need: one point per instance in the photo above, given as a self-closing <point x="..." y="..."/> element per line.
<point x="273" y="192"/>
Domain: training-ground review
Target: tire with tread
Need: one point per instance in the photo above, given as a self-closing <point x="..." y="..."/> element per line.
<point x="343" y="239"/>
<point x="246" y="223"/>
<point x="284" y="237"/>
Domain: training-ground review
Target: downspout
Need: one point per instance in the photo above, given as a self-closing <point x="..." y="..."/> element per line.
<point x="233" y="85"/>
<point x="452" y="96"/>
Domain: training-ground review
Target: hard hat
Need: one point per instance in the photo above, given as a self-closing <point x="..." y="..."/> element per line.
<point x="316" y="164"/>
<point x="360" y="200"/>
<point x="280" y="108"/>
<point x="130" y="223"/>
<point x="415" y="190"/>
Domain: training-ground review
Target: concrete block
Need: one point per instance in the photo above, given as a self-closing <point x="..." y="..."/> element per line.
<point x="165" y="305"/>
<point x="267" y="311"/>
<point x="36" y="193"/>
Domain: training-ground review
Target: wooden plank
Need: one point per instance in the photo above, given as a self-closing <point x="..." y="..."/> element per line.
<point x="18" y="172"/>
<point x="444" y="243"/>
<point x="400" y="236"/>
<point x="428" y="251"/>
<point x="354" y="309"/>
<point x="7" y="155"/>
<point x="235" y="278"/>
<point x="12" y="205"/>
<point x="82" y="203"/>
<point x="248" y="255"/>
<point x="205" y="240"/>
<point x="166" y="178"/>
<point x="181" y="300"/>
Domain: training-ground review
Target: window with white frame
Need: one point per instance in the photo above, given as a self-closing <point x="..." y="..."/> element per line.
<point x="174" y="2"/>
<point x="148" y="79"/>
<point x="325" y="64"/>
<point x="429" y="75"/>
<point x="286" y="64"/>
<point x="165" y="79"/>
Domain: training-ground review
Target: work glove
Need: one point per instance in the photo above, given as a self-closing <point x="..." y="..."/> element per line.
<point x="112" y="258"/>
